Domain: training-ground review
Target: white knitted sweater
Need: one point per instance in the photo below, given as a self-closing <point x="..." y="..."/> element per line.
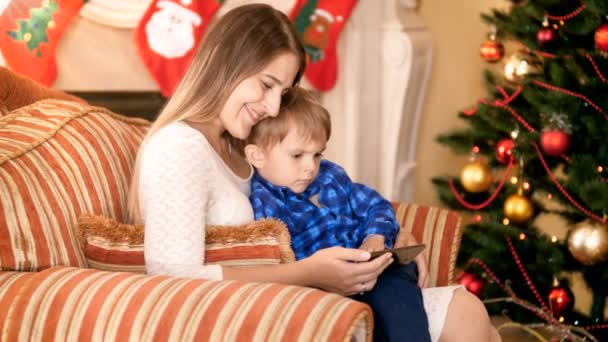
<point x="184" y="186"/>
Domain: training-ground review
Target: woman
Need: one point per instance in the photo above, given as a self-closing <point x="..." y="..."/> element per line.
<point x="190" y="172"/>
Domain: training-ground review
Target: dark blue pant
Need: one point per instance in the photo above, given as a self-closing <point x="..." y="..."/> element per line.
<point x="396" y="301"/>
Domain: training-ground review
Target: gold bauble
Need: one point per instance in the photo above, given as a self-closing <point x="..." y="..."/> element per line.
<point x="520" y="64"/>
<point x="588" y="242"/>
<point x="518" y="208"/>
<point x="476" y="176"/>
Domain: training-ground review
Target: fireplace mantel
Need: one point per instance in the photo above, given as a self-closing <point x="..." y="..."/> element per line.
<point x="385" y="63"/>
<point x="384" y="60"/>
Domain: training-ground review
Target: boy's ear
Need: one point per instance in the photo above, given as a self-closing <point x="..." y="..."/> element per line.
<point x="254" y="155"/>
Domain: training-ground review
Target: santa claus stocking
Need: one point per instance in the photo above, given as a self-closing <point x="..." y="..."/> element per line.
<point x="319" y="23"/>
<point x="29" y="33"/>
<point x="167" y="37"/>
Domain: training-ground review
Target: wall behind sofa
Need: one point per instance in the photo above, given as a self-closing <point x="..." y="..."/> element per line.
<point x="456" y="83"/>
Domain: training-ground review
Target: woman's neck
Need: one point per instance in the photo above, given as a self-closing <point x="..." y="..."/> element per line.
<point x="214" y="133"/>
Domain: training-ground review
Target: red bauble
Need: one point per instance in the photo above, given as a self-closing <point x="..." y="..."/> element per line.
<point x="504" y="149"/>
<point x="472" y="283"/>
<point x="546" y="36"/>
<point x="601" y="38"/>
<point x="491" y="51"/>
<point x="555" y="142"/>
<point x="561" y="300"/>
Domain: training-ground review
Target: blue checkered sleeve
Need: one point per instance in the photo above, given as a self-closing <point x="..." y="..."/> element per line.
<point x="375" y="213"/>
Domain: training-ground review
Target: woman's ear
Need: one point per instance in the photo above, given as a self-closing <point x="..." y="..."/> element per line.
<point x="254" y="155"/>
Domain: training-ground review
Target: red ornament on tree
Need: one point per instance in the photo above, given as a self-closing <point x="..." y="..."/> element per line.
<point x="561" y="299"/>
<point x="472" y="283"/>
<point x="492" y="51"/>
<point x="504" y="150"/>
<point x="547" y="35"/>
<point x="601" y="38"/>
<point x="555" y="142"/>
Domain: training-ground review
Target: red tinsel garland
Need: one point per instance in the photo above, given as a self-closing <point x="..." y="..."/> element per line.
<point x="544" y="314"/>
<point x="563" y="191"/>
<point x="568" y="16"/>
<point x="597" y="70"/>
<point x="525" y="274"/>
<point x="490" y="199"/>
<point x="571" y="93"/>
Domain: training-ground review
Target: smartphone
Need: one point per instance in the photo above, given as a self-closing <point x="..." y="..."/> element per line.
<point x="402" y="255"/>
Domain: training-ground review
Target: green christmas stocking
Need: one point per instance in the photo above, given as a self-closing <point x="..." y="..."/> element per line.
<point x="319" y="23"/>
<point x="29" y="33"/>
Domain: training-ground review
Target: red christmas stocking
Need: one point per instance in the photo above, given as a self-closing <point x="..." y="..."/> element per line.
<point x="319" y="23"/>
<point x="29" y="33"/>
<point x="167" y="37"/>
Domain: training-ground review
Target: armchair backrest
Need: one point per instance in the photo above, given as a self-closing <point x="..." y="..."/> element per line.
<point x="440" y="230"/>
<point x="58" y="160"/>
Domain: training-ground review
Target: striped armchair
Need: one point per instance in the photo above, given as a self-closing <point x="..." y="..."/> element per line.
<point x="61" y="159"/>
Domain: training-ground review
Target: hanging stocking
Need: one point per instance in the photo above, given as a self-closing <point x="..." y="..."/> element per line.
<point x="319" y="23"/>
<point x="29" y="33"/>
<point x="167" y="37"/>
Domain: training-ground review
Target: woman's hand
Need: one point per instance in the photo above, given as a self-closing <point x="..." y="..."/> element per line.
<point x="346" y="271"/>
<point x="423" y="269"/>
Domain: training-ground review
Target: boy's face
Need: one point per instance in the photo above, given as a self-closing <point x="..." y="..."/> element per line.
<point x="293" y="162"/>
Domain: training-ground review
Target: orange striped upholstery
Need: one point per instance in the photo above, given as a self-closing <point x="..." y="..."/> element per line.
<point x="11" y="283"/>
<point x="440" y="230"/>
<point x="69" y="304"/>
<point x="60" y="159"/>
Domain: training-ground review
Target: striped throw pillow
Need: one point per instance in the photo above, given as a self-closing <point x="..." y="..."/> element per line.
<point x="112" y="246"/>
<point x="58" y="160"/>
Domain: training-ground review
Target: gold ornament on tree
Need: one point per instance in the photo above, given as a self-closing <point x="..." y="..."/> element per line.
<point x="476" y="176"/>
<point x="521" y="64"/>
<point x="588" y="242"/>
<point x="518" y="208"/>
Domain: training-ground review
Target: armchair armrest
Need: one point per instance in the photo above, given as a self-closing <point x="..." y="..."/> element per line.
<point x="68" y="304"/>
<point x="440" y="230"/>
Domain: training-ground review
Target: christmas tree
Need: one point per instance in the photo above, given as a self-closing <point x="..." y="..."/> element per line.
<point x="537" y="146"/>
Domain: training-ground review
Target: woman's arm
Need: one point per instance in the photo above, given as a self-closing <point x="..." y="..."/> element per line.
<point x="336" y="269"/>
<point x="174" y="185"/>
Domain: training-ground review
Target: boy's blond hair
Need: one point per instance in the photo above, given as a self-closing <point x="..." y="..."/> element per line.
<point x="299" y="108"/>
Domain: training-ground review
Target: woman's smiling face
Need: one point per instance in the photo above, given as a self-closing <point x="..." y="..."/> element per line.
<point x="258" y="96"/>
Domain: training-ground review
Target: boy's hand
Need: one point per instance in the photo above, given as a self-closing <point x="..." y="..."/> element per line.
<point x="373" y="243"/>
<point x="423" y="269"/>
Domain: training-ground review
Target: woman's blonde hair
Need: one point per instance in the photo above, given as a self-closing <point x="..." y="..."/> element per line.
<point x="300" y="110"/>
<point x="239" y="45"/>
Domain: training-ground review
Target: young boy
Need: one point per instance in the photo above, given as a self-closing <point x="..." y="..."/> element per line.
<point x="322" y="208"/>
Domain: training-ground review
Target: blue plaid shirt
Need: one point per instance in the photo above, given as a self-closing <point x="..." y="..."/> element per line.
<point x="348" y="212"/>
